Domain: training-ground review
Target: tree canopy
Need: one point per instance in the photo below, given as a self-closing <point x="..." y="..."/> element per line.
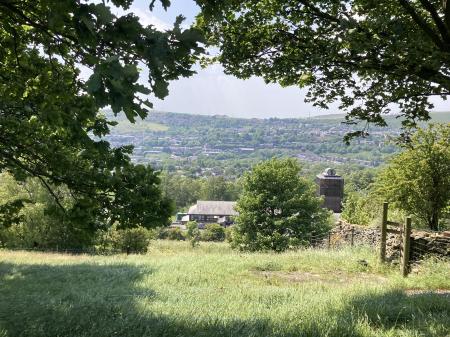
<point x="417" y="180"/>
<point x="277" y="209"/>
<point x="51" y="127"/>
<point x="363" y="54"/>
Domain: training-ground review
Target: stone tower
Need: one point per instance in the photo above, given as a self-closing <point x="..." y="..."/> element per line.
<point x="331" y="187"/>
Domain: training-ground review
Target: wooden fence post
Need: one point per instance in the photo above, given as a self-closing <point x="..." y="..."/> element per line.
<point x="406" y="247"/>
<point x="353" y="235"/>
<point x="329" y="240"/>
<point x="383" y="232"/>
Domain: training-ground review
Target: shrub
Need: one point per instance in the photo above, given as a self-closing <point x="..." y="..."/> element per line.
<point x="133" y="240"/>
<point x="213" y="232"/>
<point x="175" y="234"/>
<point x="193" y="233"/>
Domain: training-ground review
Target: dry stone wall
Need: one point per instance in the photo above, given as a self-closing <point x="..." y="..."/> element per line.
<point x="422" y="243"/>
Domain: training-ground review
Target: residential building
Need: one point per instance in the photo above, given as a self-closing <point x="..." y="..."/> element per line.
<point x="204" y="212"/>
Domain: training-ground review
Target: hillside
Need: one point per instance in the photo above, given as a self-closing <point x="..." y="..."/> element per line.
<point x="393" y="121"/>
<point x="223" y="145"/>
<point x="220" y="145"/>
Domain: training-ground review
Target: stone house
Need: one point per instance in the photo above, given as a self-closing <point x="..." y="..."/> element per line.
<point x="204" y="212"/>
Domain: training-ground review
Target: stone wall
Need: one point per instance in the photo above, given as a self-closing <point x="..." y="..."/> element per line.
<point x="426" y="243"/>
<point x="422" y="242"/>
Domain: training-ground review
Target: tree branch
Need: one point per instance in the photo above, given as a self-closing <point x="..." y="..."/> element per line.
<point x="53" y="194"/>
<point x="318" y="12"/>
<point x="446" y="6"/>
<point x="422" y="24"/>
<point x="35" y="24"/>
<point x="444" y="31"/>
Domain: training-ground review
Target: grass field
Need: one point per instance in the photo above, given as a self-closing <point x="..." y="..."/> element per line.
<point x="175" y="290"/>
<point x="139" y="126"/>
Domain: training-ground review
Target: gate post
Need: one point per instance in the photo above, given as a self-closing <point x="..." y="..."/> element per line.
<point x="406" y="247"/>
<point x="383" y="232"/>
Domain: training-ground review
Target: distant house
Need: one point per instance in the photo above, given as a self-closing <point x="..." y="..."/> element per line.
<point x="221" y="212"/>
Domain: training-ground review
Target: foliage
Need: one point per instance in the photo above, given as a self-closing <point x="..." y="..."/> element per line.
<point x="39" y="222"/>
<point x="133" y="240"/>
<point x="50" y="124"/>
<point x="417" y="180"/>
<point x="193" y="233"/>
<point x="174" y="234"/>
<point x="359" y="209"/>
<point x="277" y="209"/>
<point x="350" y="52"/>
<point x="359" y="181"/>
<point x="185" y="191"/>
<point x="213" y="232"/>
<point x="218" y="188"/>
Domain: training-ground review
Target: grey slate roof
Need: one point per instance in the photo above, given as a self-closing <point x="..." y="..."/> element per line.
<point x="213" y="208"/>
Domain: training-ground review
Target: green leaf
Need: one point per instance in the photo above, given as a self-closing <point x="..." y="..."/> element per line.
<point x="94" y="83"/>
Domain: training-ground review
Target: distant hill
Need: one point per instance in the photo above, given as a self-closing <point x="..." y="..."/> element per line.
<point x="393" y="120"/>
<point x="159" y="121"/>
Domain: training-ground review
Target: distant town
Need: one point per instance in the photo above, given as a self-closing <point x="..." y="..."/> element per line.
<point x="212" y="144"/>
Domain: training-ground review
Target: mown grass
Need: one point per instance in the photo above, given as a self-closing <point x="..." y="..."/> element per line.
<point x="175" y="290"/>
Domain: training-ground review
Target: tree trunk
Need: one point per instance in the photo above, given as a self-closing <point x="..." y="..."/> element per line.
<point x="433" y="222"/>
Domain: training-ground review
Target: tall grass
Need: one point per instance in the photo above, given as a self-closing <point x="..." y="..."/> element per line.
<point x="176" y="290"/>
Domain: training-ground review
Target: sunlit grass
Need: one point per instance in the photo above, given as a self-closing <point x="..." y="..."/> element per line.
<point x="175" y="290"/>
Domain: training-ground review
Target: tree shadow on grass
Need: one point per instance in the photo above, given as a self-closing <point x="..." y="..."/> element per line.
<point x="102" y="300"/>
<point x="425" y="314"/>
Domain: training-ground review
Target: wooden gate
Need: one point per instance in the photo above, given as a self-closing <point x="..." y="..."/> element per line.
<point x="404" y="230"/>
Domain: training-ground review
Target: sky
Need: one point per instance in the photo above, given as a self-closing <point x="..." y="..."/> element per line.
<point x="211" y="92"/>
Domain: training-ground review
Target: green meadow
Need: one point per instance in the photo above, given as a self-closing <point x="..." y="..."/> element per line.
<point x="176" y="290"/>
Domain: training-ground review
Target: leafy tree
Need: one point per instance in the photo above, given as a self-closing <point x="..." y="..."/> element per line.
<point x="364" y="54"/>
<point x="184" y="191"/>
<point x="39" y="221"/>
<point x="359" y="180"/>
<point x="359" y="209"/>
<point x="218" y="188"/>
<point x="278" y="209"/>
<point x="417" y="180"/>
<point x="50" y="125"/>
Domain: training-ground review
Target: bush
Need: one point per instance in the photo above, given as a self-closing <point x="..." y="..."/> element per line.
<point x="175" y="234"/>
<point x="193" y="233"/>
<point x="132" y="240"/>
<point x="213" y="232"/>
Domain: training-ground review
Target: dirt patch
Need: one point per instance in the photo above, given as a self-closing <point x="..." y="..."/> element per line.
<point x="335" y="277"/>
<point x="420" y="292"/>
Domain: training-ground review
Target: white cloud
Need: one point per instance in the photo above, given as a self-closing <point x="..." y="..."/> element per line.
<point x="146" y="18"/>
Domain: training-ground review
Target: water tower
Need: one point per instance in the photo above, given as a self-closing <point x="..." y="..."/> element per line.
<point x="331" y="187"/>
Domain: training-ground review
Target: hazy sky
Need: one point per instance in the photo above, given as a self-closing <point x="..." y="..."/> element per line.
<point x="211" y="92"/>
